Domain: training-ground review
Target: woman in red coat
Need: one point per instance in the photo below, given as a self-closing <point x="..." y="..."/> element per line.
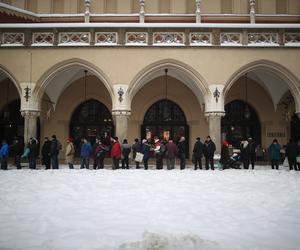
<point x="115" y="153"/>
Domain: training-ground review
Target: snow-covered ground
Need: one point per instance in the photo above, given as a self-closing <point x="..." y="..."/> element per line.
<point x="144" y="210"/>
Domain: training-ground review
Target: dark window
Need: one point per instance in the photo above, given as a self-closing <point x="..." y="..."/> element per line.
<point x="165" y="117"/>
<point x="235" y="125"/>
<point x="295" y="128"/>
<point x="89" y="120"/>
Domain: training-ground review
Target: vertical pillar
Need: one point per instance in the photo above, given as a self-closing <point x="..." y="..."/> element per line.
<point x="252" y="11"/>
<point x="30" y="118"/>
<point x="87" y="4"/>
<point x="142" y="11"/>
<point x="198" y="11"/>
<point x="121" y="122"/>
<point x="214" y="126"/>
<point x="121" y="110"/>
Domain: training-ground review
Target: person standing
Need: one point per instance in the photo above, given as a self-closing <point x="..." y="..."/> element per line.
<point x="252" y="152"/>
<point x="136" y="148"/>
<point x="198" y="153"/>
<point x="171" y="152"/>
<point x="126" y="149"/>
<point x="33" y="153"/>
<point x="70" y="153"/>
<point x="100" y="152"/>
<point x="18" y="148"/>
<point x="291" y="153"/>
<point x="54" y="151"/>
<point x="224" y="155"/>
<point x="158" y="153"/>
<point x="85" y="154"/>
<point x="298" y="154"/>
<point x="115" y="153"/>
<point x="209" y="151"/>
<point x="245" y="153"/>
<point x="274" y="154"/>
<point x="146" y="151"/>
<point x="4" y="151"/>
<point x="181" y="152"/>
<point x="46" y="153"/>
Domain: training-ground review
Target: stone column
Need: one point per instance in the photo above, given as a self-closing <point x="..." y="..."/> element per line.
<point x="252" y="11"/>
<point x="214" y="110"/>
<point x="214" y="127"/>
<point x="121" y="121"/>
<point x="198" y="11"/>
<point x="87" y="4"/>
<point x="142" y="11"/>
<point x="30" y="118"/>
<point x="121" y="110"/>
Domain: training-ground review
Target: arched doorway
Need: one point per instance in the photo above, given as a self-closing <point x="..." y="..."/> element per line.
<point x="295" y="128"/>
<point x="236" y="126"/>
<point x="89" y="120"/>
<point x="11" y="121"/>
<point x="165" y="119"/>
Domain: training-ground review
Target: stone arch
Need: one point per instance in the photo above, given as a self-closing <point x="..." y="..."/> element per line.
<point x="60" y="67"/>
<point x="12" y="78"/>
<point x="280" y="71"/>
<point x="181" y="71"/>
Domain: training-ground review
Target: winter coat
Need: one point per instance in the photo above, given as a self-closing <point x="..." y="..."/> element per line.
<point x="18" y="148"/>
<point x="291" y="150"/>
<point x="198" y="149"/>
<point x="252" y="149"/>
<point x="54" y="147"/>
<point x="33" y="153"/>
<point x="70" y="152"/>
<point x="274" y="151"/>
<point x="209" y="149"/>
<point x="171" y="150"/>
<point x="146" y="151"/>
<point x="245" y="151"/>
<point x="4" y="150"/>
<point x="224" y="155"/>
<point x="86" y="150"/>
<point x="181" y="148"/>
<point x="136" y="147"/>
<point x="116" y="150"/>
<point x="101" y="150"/>
<point x="126" y="149"/>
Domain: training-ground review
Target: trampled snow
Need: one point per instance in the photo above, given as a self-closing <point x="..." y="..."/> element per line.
<point x="145" y="210"/>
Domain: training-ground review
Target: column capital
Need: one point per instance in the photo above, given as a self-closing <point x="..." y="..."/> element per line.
<point x="120" y="102"/>
<point x="121" y="112"/>
<point x="214" y="101"/>
<point x="214" y="114"/>
<point x="31" y="114"/>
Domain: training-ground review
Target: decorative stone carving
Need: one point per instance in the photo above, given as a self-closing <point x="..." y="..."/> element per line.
<point x="142" y="11"/>
<point x="106" y="38"/>
<point x="200" y="38"/>
<point x="87" y="4"/>
<point x="31" y="114"/>
<point x="136" y="38"/>
<point x="231" y="39"/>
<point x="42" y="39"/>
<point x="74" y="38"/>
<point x="13" y="39"/>
<point x="252" y="11"/>
<point x="261" y="39"/>
<point x="168" y="38"/>
<point x="121" y="112"/>
<point x="292" y="39"/>
<point x="198" y="11"/>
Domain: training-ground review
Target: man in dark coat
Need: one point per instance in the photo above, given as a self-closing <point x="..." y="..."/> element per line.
<point x="198" y="153"/>
<point x="171" y="152"/>
<point x="136" y="147"/>
<point x="46" y="159"/>
<point x="252" y="152"/>
<point x="182" y="152"/>
<point x="209" y="151"/>
<point x="126" y="149"/>
<point x="245" y="153"/>
<point x="33" y="153"/>
<point x="54" y="151"/>
<point x="18" y="148"/>
<point x="292" y="153"/>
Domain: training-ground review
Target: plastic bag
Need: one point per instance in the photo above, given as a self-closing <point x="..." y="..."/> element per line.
<point x="139" y="157"/>
<point x="285" y="162"/>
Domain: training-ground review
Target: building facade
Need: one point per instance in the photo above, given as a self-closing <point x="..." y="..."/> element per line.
<point x="229" y="69"/>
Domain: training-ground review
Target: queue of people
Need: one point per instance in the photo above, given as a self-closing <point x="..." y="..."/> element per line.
<point x="141" y="151"/>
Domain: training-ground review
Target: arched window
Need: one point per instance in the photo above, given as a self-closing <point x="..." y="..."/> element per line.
<point x="236" y="126"/>
<point x="165" y="119"/>
<point x="11" y="121"/>
<point x="89" y="120"/>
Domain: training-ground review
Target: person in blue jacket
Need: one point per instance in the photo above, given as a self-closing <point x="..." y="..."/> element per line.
<point x="4" y="155"/>
<point x="85" y="154"/>
<point x="274" y="153"/>
<point x="146" y="151"/>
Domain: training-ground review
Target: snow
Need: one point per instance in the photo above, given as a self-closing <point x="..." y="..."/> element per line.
<point x="154" y="209"/>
